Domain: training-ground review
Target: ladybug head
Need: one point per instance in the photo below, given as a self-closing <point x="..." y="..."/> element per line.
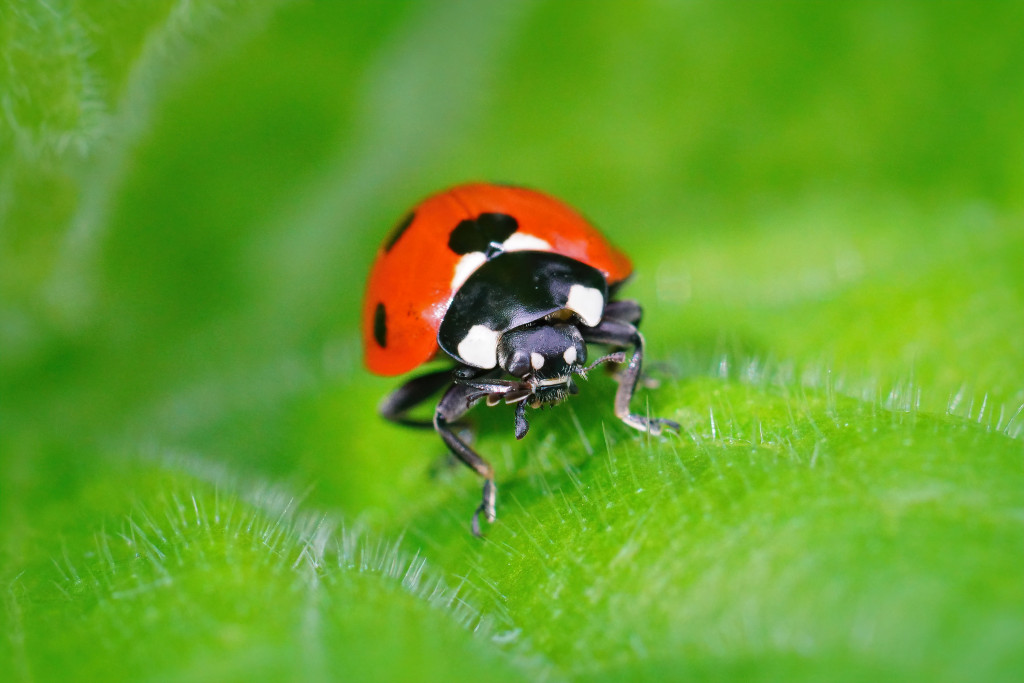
<point x="545" y="357"/>
<point x="542" y="351"/>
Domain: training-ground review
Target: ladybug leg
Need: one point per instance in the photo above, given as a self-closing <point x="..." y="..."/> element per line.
<point x="495" y="390"/>
<point x="613" y="332"/>
<point x="629" y="311"/>
<point x="453" y="405"/>
<point x="626" y="310"/>
<point x="411" y="394"/>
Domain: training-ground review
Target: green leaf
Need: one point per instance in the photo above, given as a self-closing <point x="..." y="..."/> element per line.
<point x="823" y="205"/>
<point x="194" y="582"/>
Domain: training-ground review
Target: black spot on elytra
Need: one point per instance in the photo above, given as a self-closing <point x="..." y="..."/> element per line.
<point x="398" y="231"/>
<point x="476" y="234"/>
<point x="380" y="326"/>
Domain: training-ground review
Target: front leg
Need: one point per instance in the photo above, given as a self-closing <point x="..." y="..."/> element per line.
<point x="512" y="391"/>
<point x="453" y="405"/>
<point x="619" y="333"/>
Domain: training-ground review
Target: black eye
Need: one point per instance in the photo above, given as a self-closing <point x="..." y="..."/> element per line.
<point x="520" y="364"/>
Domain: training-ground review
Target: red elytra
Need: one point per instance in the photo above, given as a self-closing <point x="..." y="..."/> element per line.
<point x="410" y="285"/>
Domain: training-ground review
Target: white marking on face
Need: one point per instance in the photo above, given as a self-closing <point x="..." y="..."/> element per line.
<point x="466" y="266"/>
<point x="520" y="241"/>
<point x="570" y="355"/>
<point x="536" y="360"/>
<point x="480" y="347"/>
<point x="587" y="303"/>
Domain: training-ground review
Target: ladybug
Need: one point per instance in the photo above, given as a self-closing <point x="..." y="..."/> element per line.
<point x="512" y="285"/>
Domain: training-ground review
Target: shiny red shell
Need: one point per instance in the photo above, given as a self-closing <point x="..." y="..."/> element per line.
<point x="410" y="286"/>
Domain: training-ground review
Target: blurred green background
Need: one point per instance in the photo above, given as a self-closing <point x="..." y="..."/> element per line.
<point x="825" y="206"/>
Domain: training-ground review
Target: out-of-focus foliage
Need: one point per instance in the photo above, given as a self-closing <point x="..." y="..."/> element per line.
<point x="825" y="205"/>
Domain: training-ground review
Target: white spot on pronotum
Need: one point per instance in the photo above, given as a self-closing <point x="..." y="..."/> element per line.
<point x="587" y="303"/>
<point x="466" y="266"/>
<point x="536" y="360"/>
<point x="570" y="355"/>
<point x="480" y="347"/>
<point x="520" y="241"/>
